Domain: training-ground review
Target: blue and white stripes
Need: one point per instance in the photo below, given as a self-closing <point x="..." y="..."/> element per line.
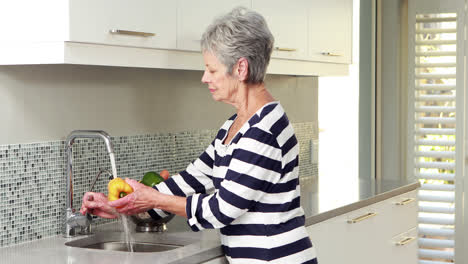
<point x="249" y="189"/>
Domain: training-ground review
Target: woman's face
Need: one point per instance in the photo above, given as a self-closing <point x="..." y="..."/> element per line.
<point x="223" y="87"/>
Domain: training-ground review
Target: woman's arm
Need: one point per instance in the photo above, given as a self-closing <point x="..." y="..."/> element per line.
<point x="196" y="178"/>
<point x="171" y="203"/>
<point x="165" y="197"/>
<point x="255" y="166"/>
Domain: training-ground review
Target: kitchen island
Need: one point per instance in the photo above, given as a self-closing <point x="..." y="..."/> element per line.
<point x="207" y="246"/>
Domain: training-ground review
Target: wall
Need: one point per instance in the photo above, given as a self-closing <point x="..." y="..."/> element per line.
<point x="366" y="86"/>
<point x="40" y="103"/>
<point x="394" y="89"/>
<point x="158" y="119"/>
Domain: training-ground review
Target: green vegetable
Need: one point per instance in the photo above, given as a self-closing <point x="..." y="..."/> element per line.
<point x="151" y="178"/>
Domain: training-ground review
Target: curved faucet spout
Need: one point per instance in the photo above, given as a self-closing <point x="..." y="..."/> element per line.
<point x="90" y="134"/>
<point x="68" y="232"/>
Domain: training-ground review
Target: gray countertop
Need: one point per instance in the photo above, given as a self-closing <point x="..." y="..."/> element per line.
<point x="323" y="203"/>
<point x="318" y="206"/>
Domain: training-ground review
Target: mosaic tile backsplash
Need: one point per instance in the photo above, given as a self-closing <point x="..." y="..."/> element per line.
<point x="33" y="176"/>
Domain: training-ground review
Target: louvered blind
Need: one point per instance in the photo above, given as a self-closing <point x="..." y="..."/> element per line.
<point x="433" y="129"/>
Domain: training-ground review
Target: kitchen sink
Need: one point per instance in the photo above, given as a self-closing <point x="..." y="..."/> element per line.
<point x="136" y="247"/>
<point x="141" y="242"/>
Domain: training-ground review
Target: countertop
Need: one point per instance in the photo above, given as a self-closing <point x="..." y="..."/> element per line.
<point x="314" y="202"/>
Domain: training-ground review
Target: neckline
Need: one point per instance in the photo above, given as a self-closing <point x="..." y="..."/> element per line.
<point x="246" y="123"/>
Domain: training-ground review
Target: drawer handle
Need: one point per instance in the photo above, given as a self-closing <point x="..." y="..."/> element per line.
<point x="406" y="201"/>
<point x="285" y="49"/>
<point x="405" y="241"/>
<point x="361" y="218"/>
<point x="331" y="54"/>
<point x="131" y="33"/>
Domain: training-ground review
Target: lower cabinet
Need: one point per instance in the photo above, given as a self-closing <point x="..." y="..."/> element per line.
<point x="384" y="233"/>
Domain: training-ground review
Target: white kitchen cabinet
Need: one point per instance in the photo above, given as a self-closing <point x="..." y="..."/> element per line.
<point x="382" y="233"/>
<point x="288" y="24"/>
<point x="137" y="23"/>
<point x="330" y="31"/>
<point x="310" y="30"/>
<point x="152" y="33"/>
<point x="193" y="17"/>
<point x="337" y="241"/>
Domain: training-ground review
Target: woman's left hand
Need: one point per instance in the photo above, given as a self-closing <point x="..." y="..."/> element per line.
<point x="140" y="200"/>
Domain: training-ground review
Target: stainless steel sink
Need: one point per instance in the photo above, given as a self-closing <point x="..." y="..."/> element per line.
<point x="135" y="247"/>
<point x="141" y="242"/>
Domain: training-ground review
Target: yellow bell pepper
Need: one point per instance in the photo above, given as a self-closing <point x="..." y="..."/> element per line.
<point x="118" y="188"/>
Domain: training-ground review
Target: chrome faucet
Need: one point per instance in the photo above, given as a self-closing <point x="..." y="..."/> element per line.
<point x="74" y="220"/>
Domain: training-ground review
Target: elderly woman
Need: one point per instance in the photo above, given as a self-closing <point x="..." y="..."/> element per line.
<point x="246" y="182"/>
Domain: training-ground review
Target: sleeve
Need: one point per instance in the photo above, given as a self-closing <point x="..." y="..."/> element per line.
<point x="196" y="178"/>
<point x="254" y="167"/>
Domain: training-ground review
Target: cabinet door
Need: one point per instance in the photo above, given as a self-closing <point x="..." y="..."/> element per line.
<point x="287" y="21"/>
<point x="138" y="23"/>
<point x="193" y="17"/>
<point x="330" y="30"/>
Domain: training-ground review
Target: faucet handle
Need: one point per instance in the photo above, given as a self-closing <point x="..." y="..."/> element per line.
<point x="86" y="229"/>
<point x="77" y="219"/>
<point x="101" y="171"/>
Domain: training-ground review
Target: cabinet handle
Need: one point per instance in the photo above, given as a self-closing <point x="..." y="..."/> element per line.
<point x="131" y="33"/>
<point x="284" y="49"/>
<point x="360" y="218"/>
<point x="331" y="54"/>
<point x="405" y="241"/>
<point x="406" y="201"/>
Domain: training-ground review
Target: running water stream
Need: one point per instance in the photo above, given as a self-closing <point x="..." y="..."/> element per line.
<point x="113" y="165"/>
<point x="124" y="220"/>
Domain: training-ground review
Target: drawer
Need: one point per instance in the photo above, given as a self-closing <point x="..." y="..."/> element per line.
<point x="400" y="213"/>
<point x="403" y="248"/>
<point x="351" y="234"/>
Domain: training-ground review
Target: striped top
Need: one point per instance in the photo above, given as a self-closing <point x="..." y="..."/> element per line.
<point x="249" y="189"/>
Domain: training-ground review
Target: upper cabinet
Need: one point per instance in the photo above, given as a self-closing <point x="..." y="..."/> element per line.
<point x="137" y="23"/>
<point x="330" y="30"/>
<point x="312" y="37"/>
<point x="311" y="30"/>
<point x="288" y="22"/>
<point x="193" y="17"/>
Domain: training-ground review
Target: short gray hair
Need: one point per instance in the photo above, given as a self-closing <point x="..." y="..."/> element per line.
<point x="242" y="33"/>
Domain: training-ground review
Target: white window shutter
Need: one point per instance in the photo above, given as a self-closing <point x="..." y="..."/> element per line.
<point x="436" y="124"/>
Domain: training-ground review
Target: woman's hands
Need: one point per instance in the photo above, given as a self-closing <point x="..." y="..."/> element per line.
<point x="140" y="200"/>
<point x="97" y="204"/>
<point x="144" y="198"/>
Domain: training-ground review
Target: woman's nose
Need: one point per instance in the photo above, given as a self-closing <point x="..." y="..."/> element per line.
<point x="204" y="78"/>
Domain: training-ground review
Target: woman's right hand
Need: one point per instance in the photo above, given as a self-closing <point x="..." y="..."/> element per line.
<point x="97" y="204"/>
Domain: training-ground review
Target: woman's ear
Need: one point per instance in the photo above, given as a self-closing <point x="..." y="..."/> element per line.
<point x="242" y="69"/>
